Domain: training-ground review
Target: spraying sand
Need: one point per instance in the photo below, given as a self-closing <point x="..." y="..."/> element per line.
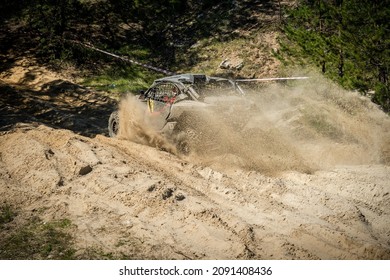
<point x="307" y="177"/>
<point x="306" y="127"/>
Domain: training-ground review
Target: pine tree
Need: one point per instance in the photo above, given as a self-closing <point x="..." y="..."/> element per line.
<point x="348" y="39"/>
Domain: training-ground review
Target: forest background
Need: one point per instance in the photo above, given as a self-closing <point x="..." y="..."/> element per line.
<point x="346" y="40"/>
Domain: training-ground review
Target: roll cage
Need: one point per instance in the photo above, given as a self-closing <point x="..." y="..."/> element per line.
<point x="190" y="86"/>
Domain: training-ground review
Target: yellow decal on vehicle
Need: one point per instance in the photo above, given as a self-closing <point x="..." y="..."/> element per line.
<point x="151" y="105"/>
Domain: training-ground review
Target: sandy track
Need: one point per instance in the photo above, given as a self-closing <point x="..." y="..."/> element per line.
<point x="311" y="183"/>
<point x="139" y="202"/>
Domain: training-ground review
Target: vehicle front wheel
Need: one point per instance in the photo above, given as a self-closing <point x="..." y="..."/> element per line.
<point x="113" y="124"/>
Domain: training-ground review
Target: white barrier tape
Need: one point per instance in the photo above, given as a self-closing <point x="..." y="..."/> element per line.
<point x="126" y="59"/>
<point x="271" y="79"/>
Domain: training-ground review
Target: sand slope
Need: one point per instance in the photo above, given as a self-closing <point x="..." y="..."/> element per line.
<point x="309" y="178"/>
<point x="135" y="200"/>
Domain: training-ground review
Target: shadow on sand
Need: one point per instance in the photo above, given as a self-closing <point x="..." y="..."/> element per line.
<point x="59" y="104"/>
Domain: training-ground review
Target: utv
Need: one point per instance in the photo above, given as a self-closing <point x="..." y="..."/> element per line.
<point x="178" y="107"/>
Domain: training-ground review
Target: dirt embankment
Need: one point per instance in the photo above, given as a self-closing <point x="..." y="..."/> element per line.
<point x="314" y="184"/>
<point x="136" y="201"/>
<point x="32" y="93"/>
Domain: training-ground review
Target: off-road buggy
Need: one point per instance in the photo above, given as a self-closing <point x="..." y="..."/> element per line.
<point x="179" y="108"/>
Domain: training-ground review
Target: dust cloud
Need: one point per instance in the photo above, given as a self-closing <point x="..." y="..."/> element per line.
<point x="302" y="126"/>
<point x="327" y="125"/>
<point x="135" y="127"/>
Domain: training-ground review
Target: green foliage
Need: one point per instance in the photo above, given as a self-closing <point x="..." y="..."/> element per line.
<point x="382" y="96"/>
<point x="51" y="19"/>
<point x="38" y="240"/>
<point x="121" y="79"/>
<point x="348" y="40"/>
<point x="165" y="29"/>
<point x="7" y="214"/>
